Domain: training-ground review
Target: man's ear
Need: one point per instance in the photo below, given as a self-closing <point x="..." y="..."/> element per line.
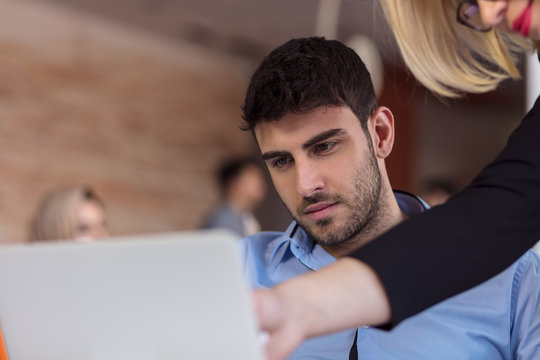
<point x="381" y="125"/>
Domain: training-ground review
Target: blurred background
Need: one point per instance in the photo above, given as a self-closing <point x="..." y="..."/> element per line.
<point x="140" y="99"/>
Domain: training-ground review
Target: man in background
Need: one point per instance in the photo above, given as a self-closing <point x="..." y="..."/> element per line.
<point x="243" y="189"/>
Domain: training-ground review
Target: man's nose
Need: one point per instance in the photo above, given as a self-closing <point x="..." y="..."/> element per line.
<point x="309" y="178"/>
<point x="492" y="12"/>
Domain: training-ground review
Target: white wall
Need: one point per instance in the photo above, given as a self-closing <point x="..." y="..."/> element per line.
<point x="533" y="79"/>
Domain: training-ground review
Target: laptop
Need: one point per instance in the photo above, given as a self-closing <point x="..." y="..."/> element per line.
<point x="156" y="297"/>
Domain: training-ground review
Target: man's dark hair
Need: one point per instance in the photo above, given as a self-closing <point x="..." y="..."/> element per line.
<point x="231" y="169"/>
<point x="304" y="74"/>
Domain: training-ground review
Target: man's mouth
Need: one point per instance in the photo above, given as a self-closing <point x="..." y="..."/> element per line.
<point x="522" y="24"/>
<point x="319" y="211"/>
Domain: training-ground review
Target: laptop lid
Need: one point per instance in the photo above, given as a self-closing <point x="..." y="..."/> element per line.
<point x="168" y="296"/>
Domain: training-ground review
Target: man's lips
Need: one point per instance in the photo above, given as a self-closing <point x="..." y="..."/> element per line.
<point x="320" y="210"/>
<point x="522" y="24"/>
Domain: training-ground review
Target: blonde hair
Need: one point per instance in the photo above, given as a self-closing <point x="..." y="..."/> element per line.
<point x="55" y="215"/>
<point x="447" y="57"/>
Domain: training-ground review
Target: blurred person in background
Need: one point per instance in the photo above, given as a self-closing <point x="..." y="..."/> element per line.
<point x="436" y="191"/>
<point x="74" y="213"/>
<point x="243" y="189"/>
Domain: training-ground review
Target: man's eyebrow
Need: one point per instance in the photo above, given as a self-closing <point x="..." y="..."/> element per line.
<point x="315" y="139"/>
<point x="322" y="136"/>
<point x="274" y="154"/>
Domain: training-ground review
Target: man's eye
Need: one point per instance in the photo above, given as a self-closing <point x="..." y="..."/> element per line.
<point x="324" y="146"/>
<point x="281" y="162"/>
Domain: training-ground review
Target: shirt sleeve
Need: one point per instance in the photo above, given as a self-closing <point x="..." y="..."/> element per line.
<point x="525" y="336"/>
<point x="478" y="233"/>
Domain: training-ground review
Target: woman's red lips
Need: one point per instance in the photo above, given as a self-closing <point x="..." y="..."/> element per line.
<point x="522" y="24"/>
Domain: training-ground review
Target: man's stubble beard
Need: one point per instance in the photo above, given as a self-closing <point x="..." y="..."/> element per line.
<point x="363" y="208"/>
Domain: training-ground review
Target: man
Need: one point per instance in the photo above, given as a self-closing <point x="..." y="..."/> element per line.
<point x="313" y="112"/>
<point x="243" y="189"/>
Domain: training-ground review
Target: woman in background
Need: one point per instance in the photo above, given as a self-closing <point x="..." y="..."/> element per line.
<point x="451" y="47"/>
<point x="75" y="213"/>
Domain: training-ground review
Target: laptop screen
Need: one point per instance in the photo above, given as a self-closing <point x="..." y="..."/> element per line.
<point x="168" y="296"/>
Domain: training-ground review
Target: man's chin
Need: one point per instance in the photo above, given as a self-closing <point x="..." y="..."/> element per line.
<point x="322" y="231"/>
<point x="323" y="223"/>
<point x="326" y="236"/>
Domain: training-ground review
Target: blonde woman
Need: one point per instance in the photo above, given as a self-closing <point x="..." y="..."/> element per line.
<point x="75" y="213"/>
<point x="452" y="47"/>
<point x="456" y="46"/>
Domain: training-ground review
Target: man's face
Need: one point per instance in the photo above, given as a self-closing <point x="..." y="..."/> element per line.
<point x="324" y="169"/>
<point x="251" y="184"/>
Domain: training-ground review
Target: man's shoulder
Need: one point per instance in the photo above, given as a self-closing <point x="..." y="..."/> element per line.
<point x="515" y="273"/>
<point x="507" y="280"/>
<point x="261" y="248"/>
<point x="265" y="239"/>
<point x="477" y="319"/>
<point x="262" y="241"/>
<point x="531" y="256"/>
<point x="268" y="259"/>
<point x="504" y="287"/>
<point x="527" y="267"/>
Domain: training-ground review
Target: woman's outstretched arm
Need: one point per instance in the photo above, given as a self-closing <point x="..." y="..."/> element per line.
<point x="474" y="236"/>
<point x="306" y="305"/>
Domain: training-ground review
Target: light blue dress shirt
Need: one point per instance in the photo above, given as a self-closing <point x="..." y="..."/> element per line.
<point x="499" y="319"/>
